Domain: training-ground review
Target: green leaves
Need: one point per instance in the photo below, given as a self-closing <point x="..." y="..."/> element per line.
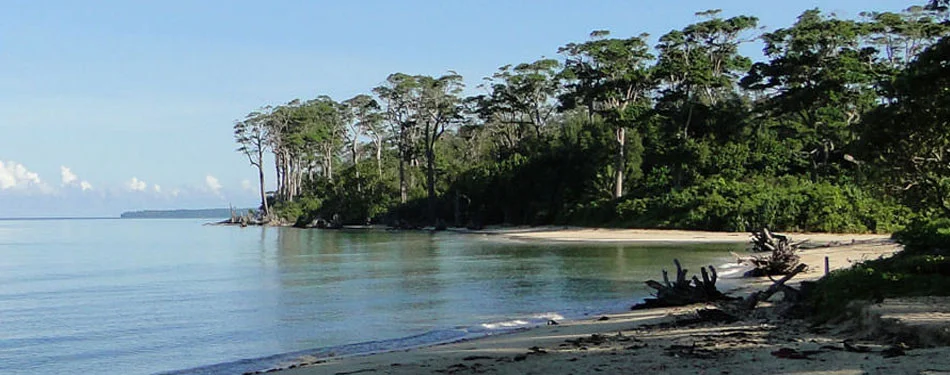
<point x="607" y="75"/>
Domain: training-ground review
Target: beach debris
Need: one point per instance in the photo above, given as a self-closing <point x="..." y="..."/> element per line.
<point x="457" y="368"/>
<point x="789" y="353"/>
<point x="476" y="357"/>
<point x="779" y="285"/>
<point x="893" y="351"/>
<point x="689" y="351"/>
<point x="603" y="318"/>
<point x="781" y="258"/>
<point x="683" y="291"/>
<point x="705" y="316"/>
<point x="537" y="350"/>
<point x="360" y="371"/>
<point x="850" y="347"/>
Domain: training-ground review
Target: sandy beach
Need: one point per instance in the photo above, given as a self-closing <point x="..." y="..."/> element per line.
<point x="604" y="235"/>
<point x="673" y="340"/>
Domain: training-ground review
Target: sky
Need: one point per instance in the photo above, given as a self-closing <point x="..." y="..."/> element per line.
<point x="109" y="106"/>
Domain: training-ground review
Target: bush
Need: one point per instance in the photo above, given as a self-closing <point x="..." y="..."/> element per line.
<point x="926" y="236"/>
<point x="299" y="211"/>
<point x="919" y="270"/>
<point x="904" y="275"/>
<point x="786" y="203"/>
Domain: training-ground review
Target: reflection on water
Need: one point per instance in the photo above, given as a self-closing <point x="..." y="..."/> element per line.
<point x="125" y="296"/>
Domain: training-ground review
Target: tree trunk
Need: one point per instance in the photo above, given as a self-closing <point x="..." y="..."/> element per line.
<point x="260" y="174"/>
<point x="621" y="161"/>
<point x="379" y="159"/>
<point x="354" y="149"/>
<point x="430" y="181"/>
<point x="403" y="190"/>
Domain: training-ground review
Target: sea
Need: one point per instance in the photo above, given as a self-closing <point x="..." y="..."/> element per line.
<point x="169" y="296"/>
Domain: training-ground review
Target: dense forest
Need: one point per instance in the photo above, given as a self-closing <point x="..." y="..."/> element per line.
<point x="842" y="126"/>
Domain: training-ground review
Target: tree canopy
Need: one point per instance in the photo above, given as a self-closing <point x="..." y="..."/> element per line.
<point x="841" y="127"/>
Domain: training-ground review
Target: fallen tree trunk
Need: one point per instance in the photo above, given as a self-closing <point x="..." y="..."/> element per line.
<point x="778" y="285"/>
<point x="782" y="255"/>
<point x="683" y="290"/>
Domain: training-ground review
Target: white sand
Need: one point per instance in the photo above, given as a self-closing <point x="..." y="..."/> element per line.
<point x="576" y="234"/>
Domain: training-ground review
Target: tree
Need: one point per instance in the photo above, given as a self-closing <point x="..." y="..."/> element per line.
<point x="909" y="137"/>
<point x="520" y="97"/>
<point x="318" y="125"/>
<point x="277" y="121"/>
<point x="820" y="82"/>
<point x="439" y="106"/>
<point x="400" y="96"/>
<point x="611" y="78"/>
<point x="252" y="135"/>
<point x="700" y="64"/>
<point x="365" y="119"/>
<point x="900" y="37"/>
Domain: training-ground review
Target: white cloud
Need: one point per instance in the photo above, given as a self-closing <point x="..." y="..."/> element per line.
<point x="175" y="192"/>
<point x="71" y="179"/>
<point x="213" y="184"/>
<point x="15" y="175"/>
<point x="136" y="185"/>
<point x="157" y="188"/>
<point x="247" y="185"/>
<point x="67" y="175"/>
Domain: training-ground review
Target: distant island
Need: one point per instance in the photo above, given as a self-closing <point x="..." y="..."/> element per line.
<point x="209" y="213"/>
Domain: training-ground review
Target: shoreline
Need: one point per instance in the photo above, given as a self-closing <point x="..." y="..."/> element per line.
<point x="508" y="352"/>
<point x="618" y="236"/>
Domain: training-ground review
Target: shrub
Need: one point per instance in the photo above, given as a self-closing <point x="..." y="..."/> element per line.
<point x="921" y="269"/>
<point x="785" y="203"/>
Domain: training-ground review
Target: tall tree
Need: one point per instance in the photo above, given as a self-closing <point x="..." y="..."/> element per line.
<point x="400" y="96"/>
<point x="439" y="107"/>
<point x="610" y="77"/>
<point x="365" y="119"/>
<point x="319" y="125"/>
<point x="909" y="137"/>
<point x="252" y="136"/>
<point x="520" y="97"/>
<point x="900" y="37"/>
<point x="820" y="82"/>
<point x="277" y="121"/>
<point x="700" y="65"/>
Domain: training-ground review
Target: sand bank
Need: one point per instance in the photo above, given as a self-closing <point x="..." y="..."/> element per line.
<point x="653" y="341"/>
<point x="578" y="234"/>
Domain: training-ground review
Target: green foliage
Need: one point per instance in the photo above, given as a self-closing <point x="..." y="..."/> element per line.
<point x="901" y="276"/>
<point x="787" y="204"/>
<point x="298" y="211"/>
<point x="842" y="123"/>
<point x="926" y="236"/>
<point x="921" y="269"/>
<point x="909" y="138"/>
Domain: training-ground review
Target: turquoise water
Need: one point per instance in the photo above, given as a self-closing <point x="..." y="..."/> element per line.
<point x="155" y="296"/>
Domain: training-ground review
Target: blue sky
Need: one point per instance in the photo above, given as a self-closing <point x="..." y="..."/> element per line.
<point x="116" y="90"/>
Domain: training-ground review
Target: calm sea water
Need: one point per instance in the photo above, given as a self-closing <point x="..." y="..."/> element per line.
<point x="154" y="296"/>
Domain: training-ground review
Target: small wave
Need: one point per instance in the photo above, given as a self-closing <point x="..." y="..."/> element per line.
<point x="535" y="320"/>
<point x="731" y="269"/>
<point x="430" y="338"/>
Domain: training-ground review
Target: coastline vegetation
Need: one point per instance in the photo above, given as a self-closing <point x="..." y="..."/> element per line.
<point x="840" y="127"/>
<point x="922" y="268"/>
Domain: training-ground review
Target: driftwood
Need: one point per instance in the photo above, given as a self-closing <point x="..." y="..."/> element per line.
<point x="778" y="285"/>
<point x="782" y="255"/>
<point x="683" y="291"/>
